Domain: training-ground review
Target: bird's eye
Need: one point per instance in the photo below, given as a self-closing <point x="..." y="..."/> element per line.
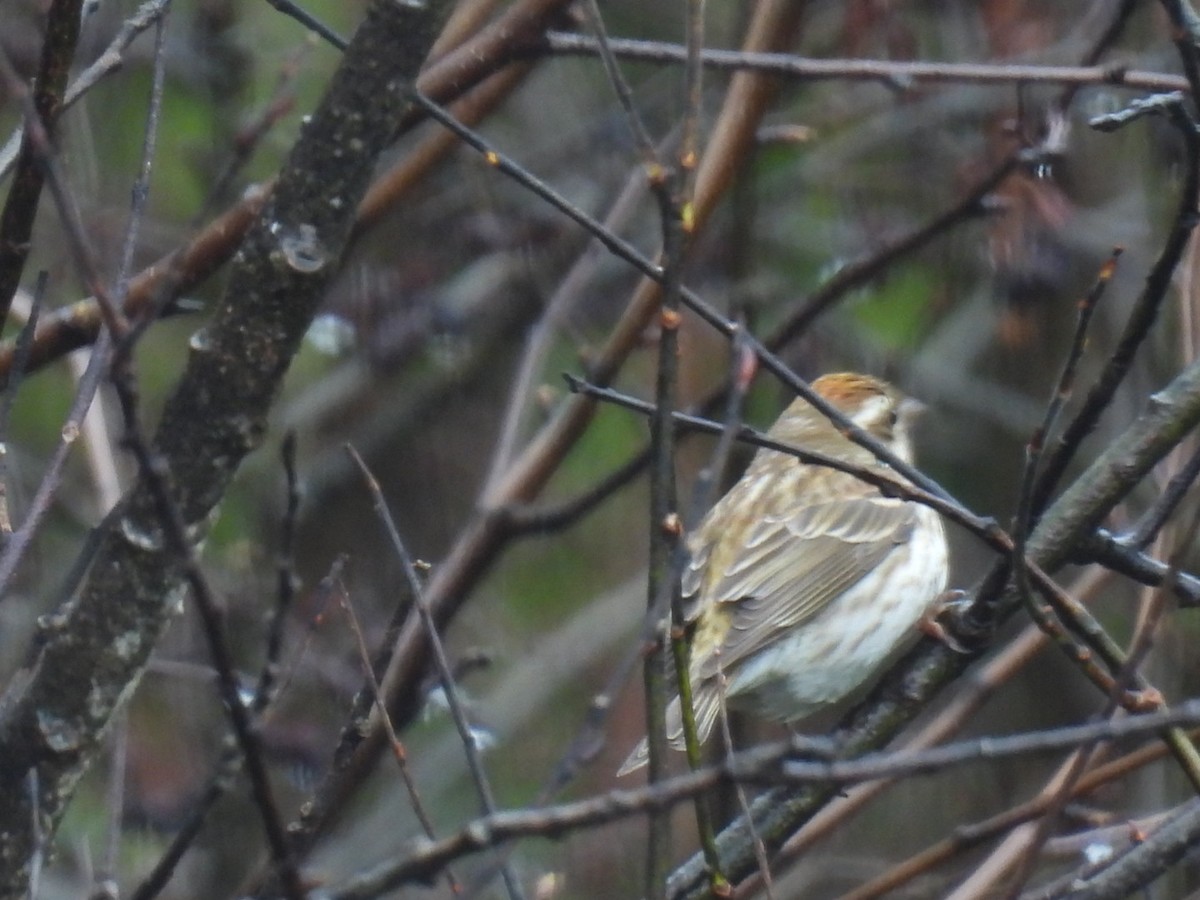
<point x="893" y="417"/>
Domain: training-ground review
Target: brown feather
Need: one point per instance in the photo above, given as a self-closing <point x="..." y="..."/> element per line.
<point x="781" y="588"/>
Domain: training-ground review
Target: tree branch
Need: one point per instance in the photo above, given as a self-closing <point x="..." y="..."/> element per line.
<point x="94" y="657"/>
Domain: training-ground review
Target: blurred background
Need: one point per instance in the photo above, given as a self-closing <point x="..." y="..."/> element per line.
<point x="438" y="355"/>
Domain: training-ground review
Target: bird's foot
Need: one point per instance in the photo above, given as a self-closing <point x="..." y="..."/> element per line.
<point x="944" y="605"/>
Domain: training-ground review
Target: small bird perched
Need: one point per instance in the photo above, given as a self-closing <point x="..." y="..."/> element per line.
<point x="804" y="579"/>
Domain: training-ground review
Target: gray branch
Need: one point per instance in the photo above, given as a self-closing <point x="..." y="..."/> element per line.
<point x="53" y="719"/>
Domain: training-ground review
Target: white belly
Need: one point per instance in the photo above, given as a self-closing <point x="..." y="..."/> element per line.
<point x="832" y="654"/>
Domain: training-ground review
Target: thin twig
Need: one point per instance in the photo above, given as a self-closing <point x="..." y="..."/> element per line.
<point x="743" y="367"/>
<point x="445" y="670"/>
<point x="97" y="427"/>
<point x="399" y="753"/>
<point x="228" y="766"/>
<point x="966" y="837"/>
<point x="309" y="21"/>
<point x="111" y="60"/>
<point x="689" y="150"/>
<point x="1140" y="864"/>
<point x="1152" y="520"/>
<point x="1026" y="516"/>
<point x="154" y="475"/>
<point x="637" y="128"/>
<point x="890" y="72"/>
<point x="567" y="295"/>
<point x="286" y="580"/>
<point x="1156" y="104"/>
<point x="1026" y="513"/>
<point x="37" y="856"/>
<point x="1143" y="315"/>
<point x="37" y="142"/>
<point x="529" y="520"/>
<point x="1111" y="552"/>
<point x="663" y="508"/>
<point x="141" y="184"/>
<point x="156" y="881"/>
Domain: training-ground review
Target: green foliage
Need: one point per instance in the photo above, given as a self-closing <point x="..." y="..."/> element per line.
<point x="547" y="578"/>
<point x="895" y="311"/>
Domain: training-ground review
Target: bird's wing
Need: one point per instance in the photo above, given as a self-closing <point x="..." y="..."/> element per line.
<point x="790" y="567"/>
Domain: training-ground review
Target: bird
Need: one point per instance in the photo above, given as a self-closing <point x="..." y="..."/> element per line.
<point x="802" y="579"/>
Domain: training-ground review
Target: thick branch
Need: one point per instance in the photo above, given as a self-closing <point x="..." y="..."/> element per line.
<point x="217" y="414"/>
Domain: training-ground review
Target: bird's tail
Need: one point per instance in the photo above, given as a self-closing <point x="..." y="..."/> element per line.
<point x="705" y="703"/>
